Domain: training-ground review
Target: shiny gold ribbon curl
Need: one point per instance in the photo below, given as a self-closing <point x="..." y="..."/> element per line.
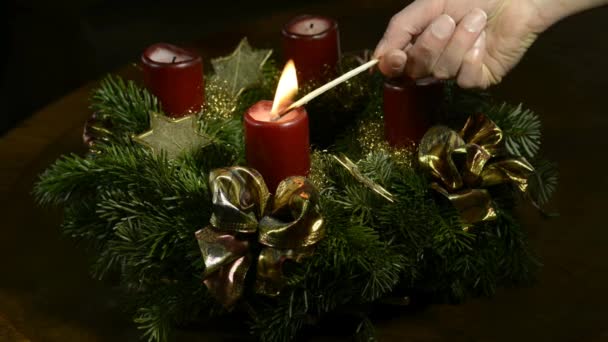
<point x="465" y="163"/>
<point x="248" y="223"/>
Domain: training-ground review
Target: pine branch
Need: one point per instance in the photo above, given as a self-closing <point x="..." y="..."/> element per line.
<point x="461" y="103"/>
<point x="154" y="323"/>
<point x="168" y="304"/>
<point x="123" y="106"/>
<point x="226" y="134"/>
<point x="521" y="128"/>
<point x="366" y="332"/>
<point x="543" y="183"/>
<point x="278" y="323"/>
<point x="70" y="176"/>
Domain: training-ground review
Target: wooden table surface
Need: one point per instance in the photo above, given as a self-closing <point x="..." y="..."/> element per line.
<point x="46" y="293"/>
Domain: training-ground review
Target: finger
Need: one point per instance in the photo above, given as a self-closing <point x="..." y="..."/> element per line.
<point x="471" y="74"/>
<point x="393" y="63"/>
<point x="467" y="32"/>
<point x="411" y="21"/>
<point x="429" y="46"/>
<point x="385" y="66"/>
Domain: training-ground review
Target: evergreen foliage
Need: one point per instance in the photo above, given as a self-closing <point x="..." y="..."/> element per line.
<point x="139" y="211"/>
<point x="124" y="104"/>
<point x="521" y="128"/>
<point x="544" y="182"/>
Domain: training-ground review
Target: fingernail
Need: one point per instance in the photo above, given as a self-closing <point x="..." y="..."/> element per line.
<point x="443" y="27"/>
<point x="397" y="61"/>
<point x="475" y="21"/>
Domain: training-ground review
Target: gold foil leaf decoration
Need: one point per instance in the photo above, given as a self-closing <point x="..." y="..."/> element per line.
<point x="242" y="68"/>
<point x="173" y="136"/>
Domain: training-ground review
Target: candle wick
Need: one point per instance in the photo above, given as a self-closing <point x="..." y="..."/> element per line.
<point x="174" y="58"/>
<point x="312" y="25"/>
<point x="277" y="116"/>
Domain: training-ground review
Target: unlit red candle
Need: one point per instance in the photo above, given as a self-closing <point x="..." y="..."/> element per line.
<point x="277" y="149"/>
<point x="313" y="43"/>
<point x="175" y="76"/>
<point x="408" y="110"/>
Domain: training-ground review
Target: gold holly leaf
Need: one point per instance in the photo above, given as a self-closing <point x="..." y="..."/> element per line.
<point x="174" y="136"/>
<point x="353" y="169"/>
<point x="241" y="69"/>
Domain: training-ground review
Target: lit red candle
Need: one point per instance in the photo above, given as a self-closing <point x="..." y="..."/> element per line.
<point x="313" y="43"/>
<point x="408" y="110"/>
<point x="175" y="76"/>
<point x="278" y="147"/>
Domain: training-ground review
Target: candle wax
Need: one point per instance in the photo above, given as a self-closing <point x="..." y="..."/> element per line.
<point x="161" y="54"/>
<point x="267" y="117"/>
<point x="310" y="26"/>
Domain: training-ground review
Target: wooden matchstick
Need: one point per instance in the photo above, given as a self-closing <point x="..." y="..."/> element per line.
<point x="322" y="89"/>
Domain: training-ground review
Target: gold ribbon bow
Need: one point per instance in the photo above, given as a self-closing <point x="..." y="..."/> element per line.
<point x="248" y="224"/>
<point x="466" y="162"/>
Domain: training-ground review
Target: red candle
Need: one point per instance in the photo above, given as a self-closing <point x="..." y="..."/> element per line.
<point x="175" y="76"/>
<point x="408" y="110"/>
<point x="313" y="43"/>
<point x="277" y="149"/>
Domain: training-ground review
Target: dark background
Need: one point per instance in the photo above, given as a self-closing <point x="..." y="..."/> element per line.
<point x="57" y="46"/>
<point x="46" y="292"/>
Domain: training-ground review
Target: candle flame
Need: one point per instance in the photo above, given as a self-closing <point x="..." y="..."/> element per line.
<point x="286" y="89"/>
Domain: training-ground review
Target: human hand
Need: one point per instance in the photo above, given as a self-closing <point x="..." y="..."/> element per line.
<point x="474" y="41"/>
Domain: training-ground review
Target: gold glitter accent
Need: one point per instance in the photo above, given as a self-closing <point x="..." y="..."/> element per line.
<point x="318" y="167"/>
<point x="370" y="136"/>
<point x="219" y="103"/>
